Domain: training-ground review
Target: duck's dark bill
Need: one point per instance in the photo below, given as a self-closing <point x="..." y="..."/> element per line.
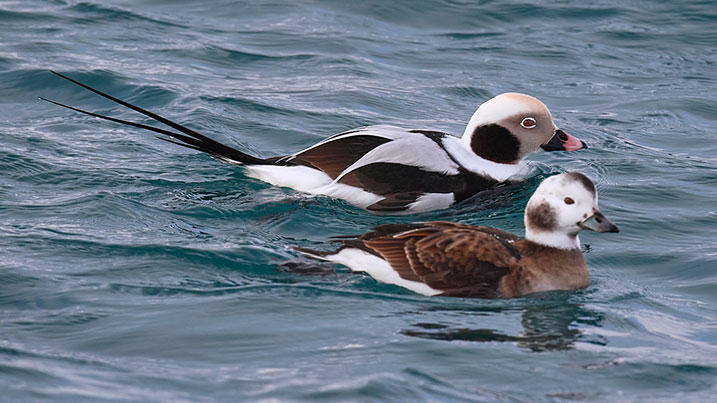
<point x="562" y="141"/>
<point x="599" y="223"/>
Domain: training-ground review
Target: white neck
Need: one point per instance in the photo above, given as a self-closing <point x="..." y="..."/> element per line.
<point x="461" y="151"/>
<point x="554" y="239"/>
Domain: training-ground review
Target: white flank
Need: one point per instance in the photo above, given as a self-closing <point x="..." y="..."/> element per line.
<point x="431" y="201"/>
<point x="469" y="160"/>
<point x="414" y="150"/>
<point x="356" y="196"/>
<point x="379" y="269"/>
<point x="312" y="181"/>
<point x="301" y="178"/>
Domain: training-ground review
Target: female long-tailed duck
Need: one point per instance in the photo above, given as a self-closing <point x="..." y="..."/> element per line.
<point x="391" y="170"/>
<point x="457" y="260"/>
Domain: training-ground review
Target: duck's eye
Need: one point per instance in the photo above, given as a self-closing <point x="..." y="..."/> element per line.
<point x="528" y="123"/>
<point x="568" y="200"/>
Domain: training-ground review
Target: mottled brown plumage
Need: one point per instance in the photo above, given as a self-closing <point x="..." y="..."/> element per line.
<point x="458" y="260"/>
<point x="480" y="262"/>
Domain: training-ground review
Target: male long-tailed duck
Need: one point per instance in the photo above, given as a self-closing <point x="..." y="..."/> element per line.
<point x="457" y="260"/>
<point x="391" y="170"/>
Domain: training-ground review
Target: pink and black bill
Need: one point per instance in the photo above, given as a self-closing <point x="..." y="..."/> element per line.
<point x="562" y="141"/>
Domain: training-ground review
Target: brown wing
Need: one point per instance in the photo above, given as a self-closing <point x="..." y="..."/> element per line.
<point x="382" y="241"/>
<point x="464" y="263"/>
<point x="334" y="156"/>
<point x="461" y="260"/>
<point x="488" y="230"/>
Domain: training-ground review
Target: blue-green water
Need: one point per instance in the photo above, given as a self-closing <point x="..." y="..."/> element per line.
<point x="134" y="269"/>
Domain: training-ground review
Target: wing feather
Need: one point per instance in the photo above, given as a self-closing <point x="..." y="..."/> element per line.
<point x="394" y="252"/>
<point x="459" y="259"/>
<point x="335" y="155"/>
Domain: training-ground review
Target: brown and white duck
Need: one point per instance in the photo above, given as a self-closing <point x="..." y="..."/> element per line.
<point x="458" y="260"/>
<point x="392" y="170"/>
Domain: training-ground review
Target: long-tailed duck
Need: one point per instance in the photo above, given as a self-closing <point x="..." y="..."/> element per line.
<point x="457" y="260"/>
<point x="391" y="170"/>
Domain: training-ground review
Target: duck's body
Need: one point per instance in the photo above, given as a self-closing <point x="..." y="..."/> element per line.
<point x="450" y="259"/>
<point x="387" y="169"/>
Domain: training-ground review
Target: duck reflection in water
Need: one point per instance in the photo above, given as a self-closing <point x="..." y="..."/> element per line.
<point x="549" y="326"/>
<point x="550" y="321"/>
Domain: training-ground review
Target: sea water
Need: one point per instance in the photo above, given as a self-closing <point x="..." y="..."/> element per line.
<point x="134" y="269"/>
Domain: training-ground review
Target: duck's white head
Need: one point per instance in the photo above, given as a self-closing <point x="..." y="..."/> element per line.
<point x="510" y="126"/>
<point x="562" y="206"/>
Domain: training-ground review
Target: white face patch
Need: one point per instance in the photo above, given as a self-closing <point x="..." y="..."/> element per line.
<point x="567" y="201"/>
<point x="502" y="107"/>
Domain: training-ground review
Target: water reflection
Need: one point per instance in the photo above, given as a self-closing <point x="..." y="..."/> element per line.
<point x="549" y="321"/>
<point x="545" y="327"/>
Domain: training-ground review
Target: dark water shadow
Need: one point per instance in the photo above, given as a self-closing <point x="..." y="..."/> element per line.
<point x="550" y="321"/>
<point x="504" y="196"/>
<point x="546" y="326"/>
<point x="311" y="269"/>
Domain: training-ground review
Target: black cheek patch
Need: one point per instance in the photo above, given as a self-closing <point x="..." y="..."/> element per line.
<point x="542" y="217"/>
<point x="495" y="143"/>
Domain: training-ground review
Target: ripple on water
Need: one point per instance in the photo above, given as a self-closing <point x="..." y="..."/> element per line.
<point x="134" y="269"/>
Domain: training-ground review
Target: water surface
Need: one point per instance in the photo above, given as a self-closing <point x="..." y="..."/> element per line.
<point x="133" y="269"/>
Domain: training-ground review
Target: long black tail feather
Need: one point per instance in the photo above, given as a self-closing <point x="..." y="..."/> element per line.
<point x="190" y="138"/>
